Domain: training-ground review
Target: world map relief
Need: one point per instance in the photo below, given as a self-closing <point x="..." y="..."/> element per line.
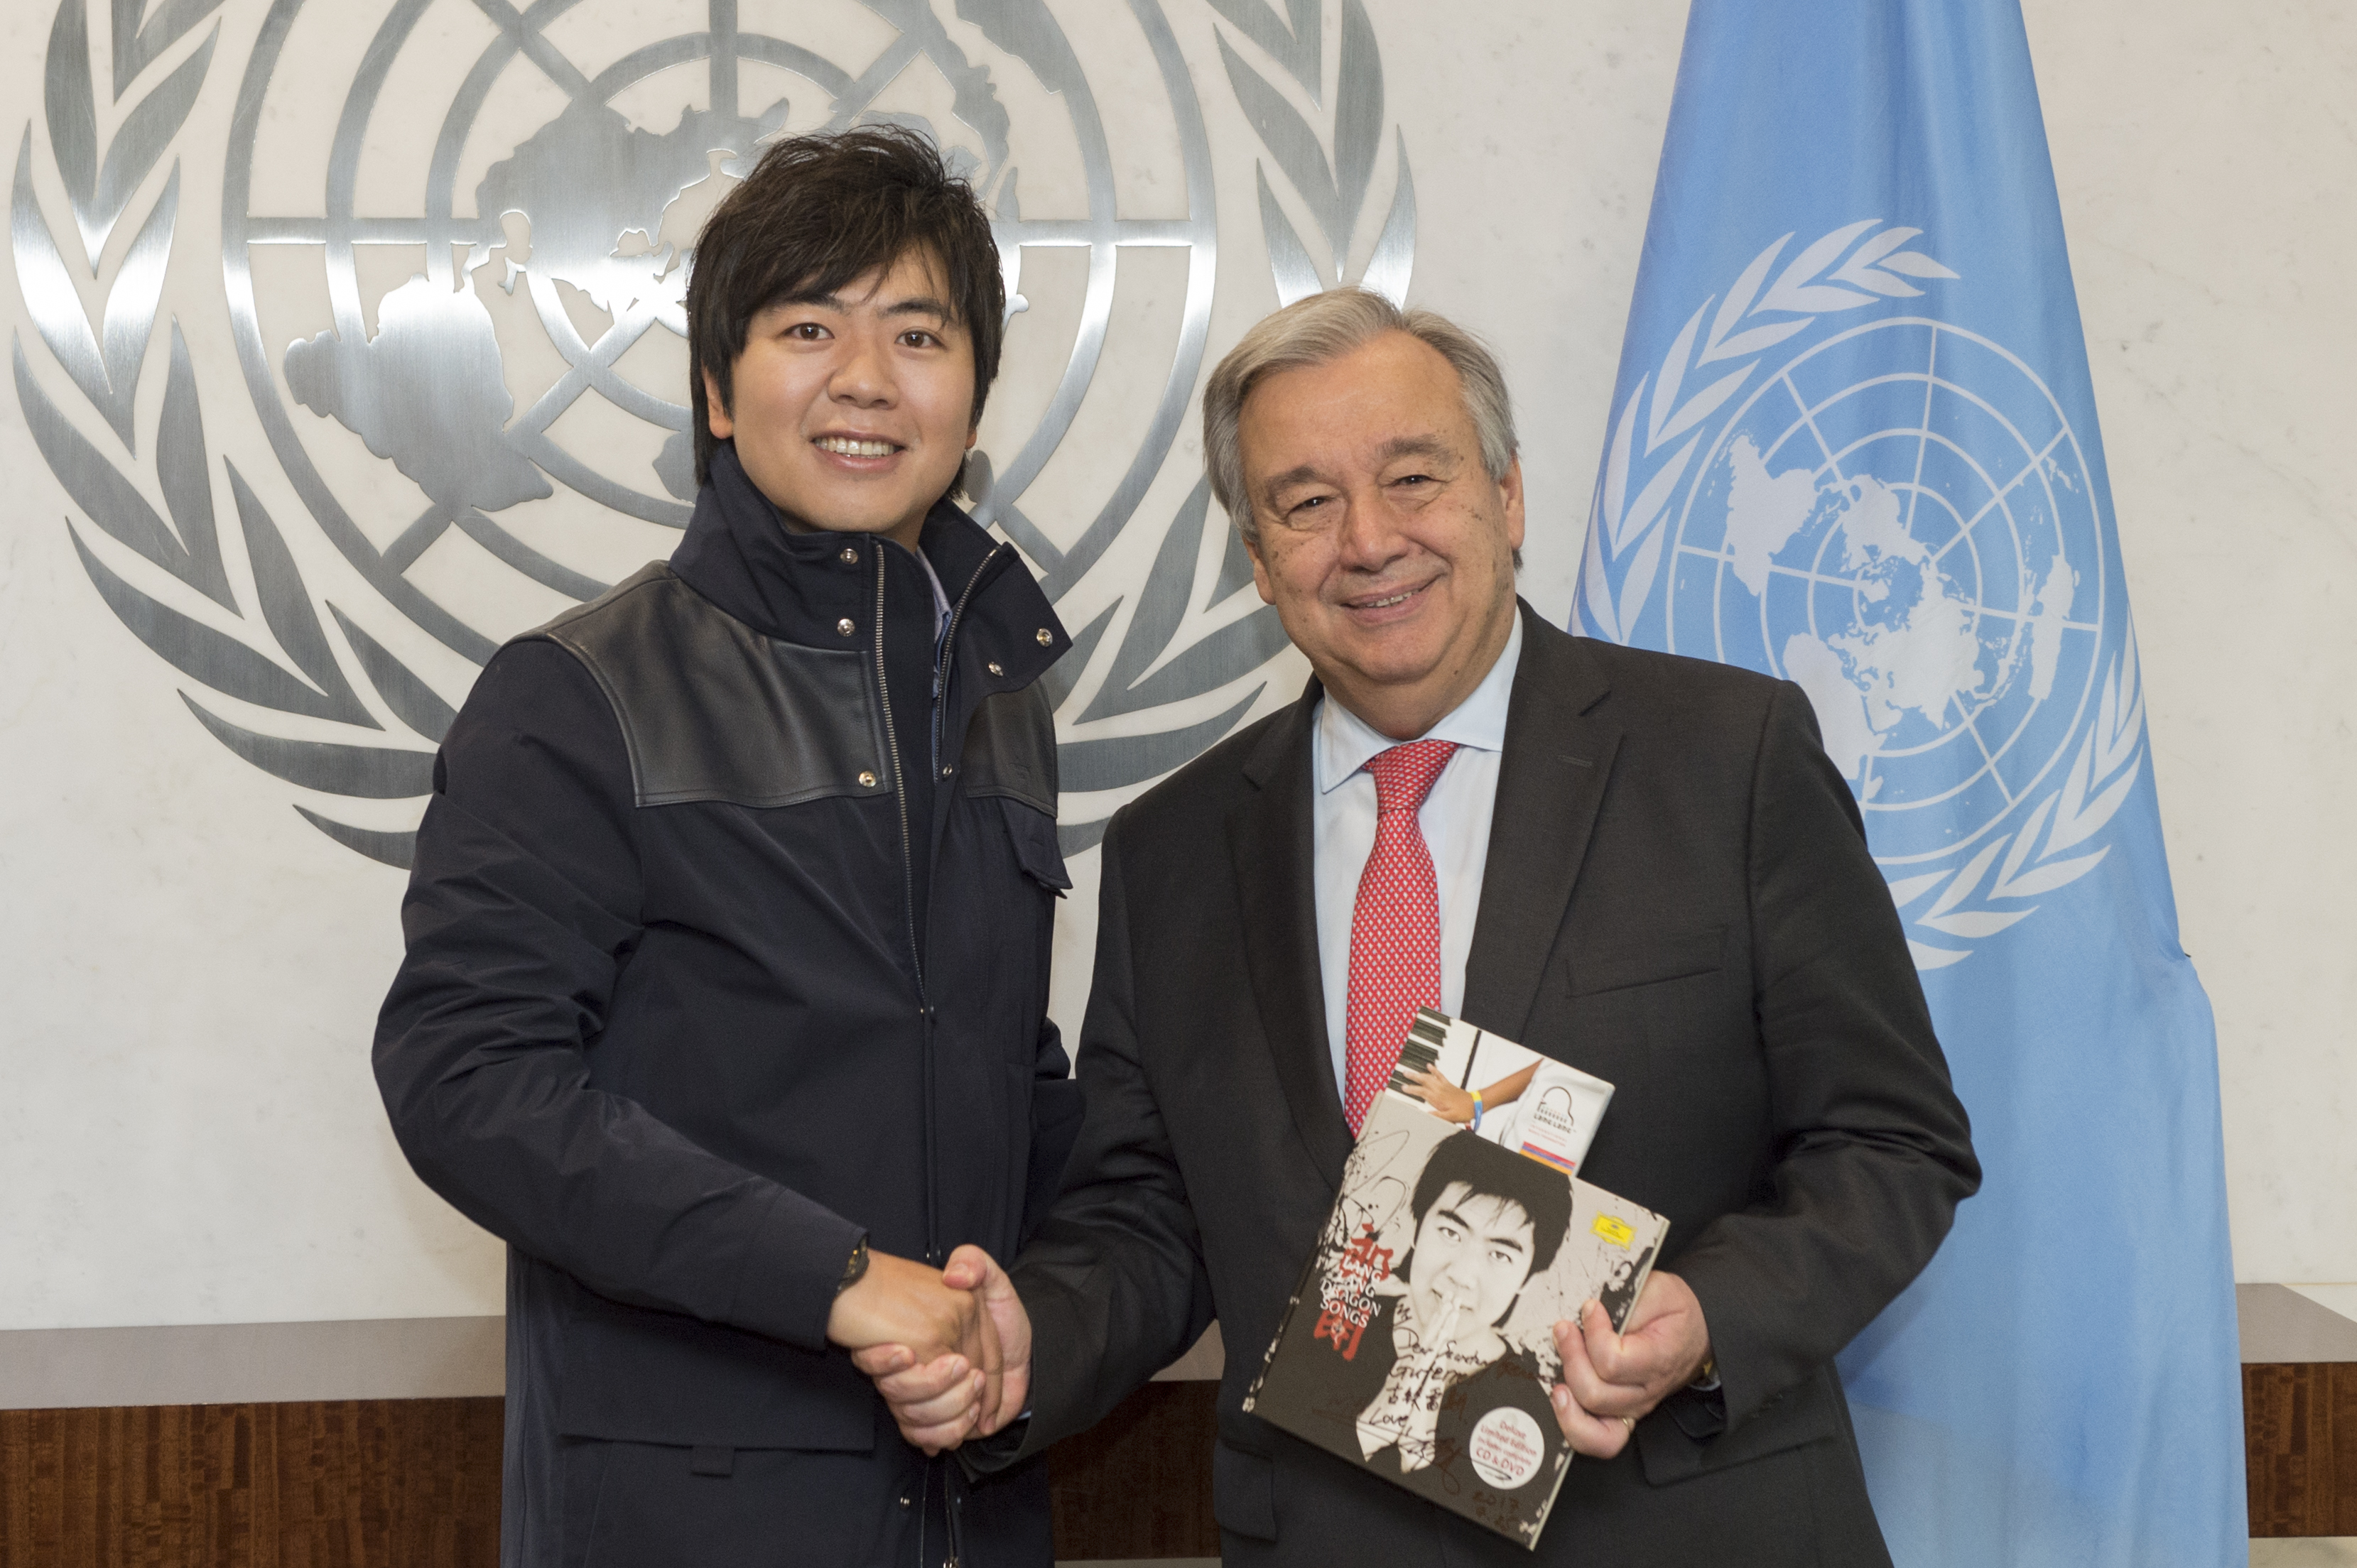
<point x="589" y="200"/>
<point x="1918" y="643"/>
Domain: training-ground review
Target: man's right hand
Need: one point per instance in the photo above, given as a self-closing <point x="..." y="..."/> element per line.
<point x="932" y="1328"/>
<point x="934" y="1405"/>
<point x="1611" y="1381"/>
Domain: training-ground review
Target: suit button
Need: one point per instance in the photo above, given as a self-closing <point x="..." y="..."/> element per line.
<point x="1047" y="638"/>
<point x="867" y="781"/>
<point x="844" y="626"/>
<point x="993" y="668"/>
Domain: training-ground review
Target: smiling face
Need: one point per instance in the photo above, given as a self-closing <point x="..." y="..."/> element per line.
<point x="1474" y="1249"/>
<point x="1385" y="547"/>
<point x="852" y="412"/>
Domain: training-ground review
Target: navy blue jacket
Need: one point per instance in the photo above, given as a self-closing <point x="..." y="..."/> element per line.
<point x="728" y="944"/>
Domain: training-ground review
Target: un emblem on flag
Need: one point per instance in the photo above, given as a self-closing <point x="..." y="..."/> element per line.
<point x="1895" y="514"/>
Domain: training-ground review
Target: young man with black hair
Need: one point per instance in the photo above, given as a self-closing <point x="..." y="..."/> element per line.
<point x="724" y="1000"/>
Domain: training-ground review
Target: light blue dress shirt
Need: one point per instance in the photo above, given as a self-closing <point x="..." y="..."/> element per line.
<point x="1454" y="819"/>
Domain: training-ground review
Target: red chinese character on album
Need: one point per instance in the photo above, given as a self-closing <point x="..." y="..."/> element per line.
<point x="1344" y="1333"/>
<point x="1347" y="1302"/>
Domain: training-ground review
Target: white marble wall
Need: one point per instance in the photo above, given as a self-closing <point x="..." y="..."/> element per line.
<point x="188" y="1132"/>
<point x="2209" y="185"/>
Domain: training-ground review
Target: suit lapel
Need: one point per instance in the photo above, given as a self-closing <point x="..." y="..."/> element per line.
<point x="1551" y="780"/>
<point x="1271" y="841"/>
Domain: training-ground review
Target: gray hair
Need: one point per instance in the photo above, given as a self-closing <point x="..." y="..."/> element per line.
<point x="1322" y="328"/>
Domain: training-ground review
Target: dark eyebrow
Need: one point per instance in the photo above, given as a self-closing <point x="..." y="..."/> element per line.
<point x="1470" y="1229"/>
<point x="804" y="296"/>
<point x="916" y="304"/>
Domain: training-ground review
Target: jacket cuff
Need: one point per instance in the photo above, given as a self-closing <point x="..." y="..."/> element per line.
<point x="793" y="1268"/>
<point x="1700" y="1413"/>
<point x="1746" y="1362"/>
<point x="983" y="1457"/>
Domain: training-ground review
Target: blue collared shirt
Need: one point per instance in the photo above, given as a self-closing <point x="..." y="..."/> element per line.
<point x="1454" y="819"/>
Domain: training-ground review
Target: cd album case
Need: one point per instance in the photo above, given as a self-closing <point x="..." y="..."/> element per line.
<point x="1419" y="1342"/>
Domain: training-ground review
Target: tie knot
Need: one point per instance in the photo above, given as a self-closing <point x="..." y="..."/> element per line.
<point x="1405" y="774"/>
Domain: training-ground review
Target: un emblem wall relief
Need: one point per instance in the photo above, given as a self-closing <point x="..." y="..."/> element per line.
<point x="438" y="253"/>
<point x="454" y="237"/>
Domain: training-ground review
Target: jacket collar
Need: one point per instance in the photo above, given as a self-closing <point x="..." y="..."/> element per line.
<point x="1560" y="743"/>
<point x="795" y="585"/>
<point x="1271" y="843"/>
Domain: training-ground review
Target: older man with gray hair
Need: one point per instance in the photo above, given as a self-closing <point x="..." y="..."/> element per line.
<point x="1641" y="865"/>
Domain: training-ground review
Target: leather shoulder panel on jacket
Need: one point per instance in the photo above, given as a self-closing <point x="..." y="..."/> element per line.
<point x="1010" y="748"/>
<point x="711" y="710"/>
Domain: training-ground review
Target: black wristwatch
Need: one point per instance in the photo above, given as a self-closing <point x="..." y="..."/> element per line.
<point x="854" y="1267"/>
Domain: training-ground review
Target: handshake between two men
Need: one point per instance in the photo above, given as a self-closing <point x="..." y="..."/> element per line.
<point x="951" y="1352"/>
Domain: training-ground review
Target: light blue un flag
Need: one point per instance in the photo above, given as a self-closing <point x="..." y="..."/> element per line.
<point x="1853" y="443"/>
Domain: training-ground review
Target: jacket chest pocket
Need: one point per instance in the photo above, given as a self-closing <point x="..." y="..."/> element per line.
<point x="1036" y="853"/>
<point x="1625" y="965"/>
<point x="1009" y="755"/>
<point x="1626" y="1008"/>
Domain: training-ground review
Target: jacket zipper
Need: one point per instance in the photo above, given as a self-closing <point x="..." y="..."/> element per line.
<point x="948" y="641"/>
<point x="908" y="901"/>
<point x="900" y="787"/>
<point x="934" y="1252"/>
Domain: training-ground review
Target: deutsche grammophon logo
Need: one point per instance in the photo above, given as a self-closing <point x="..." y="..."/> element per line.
<point x="1826" y="483"/>
<point x="458" y="326"/>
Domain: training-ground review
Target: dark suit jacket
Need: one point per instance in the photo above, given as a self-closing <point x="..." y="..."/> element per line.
<point x="1678" y="898"/>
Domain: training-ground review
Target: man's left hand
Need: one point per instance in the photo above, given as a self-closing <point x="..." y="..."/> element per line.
<point x="1611" y="1382"/>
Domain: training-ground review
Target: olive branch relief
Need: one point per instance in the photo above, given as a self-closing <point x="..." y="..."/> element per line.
<point x="293" y="670"/>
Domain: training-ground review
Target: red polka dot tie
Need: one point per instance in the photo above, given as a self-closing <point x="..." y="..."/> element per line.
<point x="1396" y="927"/>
